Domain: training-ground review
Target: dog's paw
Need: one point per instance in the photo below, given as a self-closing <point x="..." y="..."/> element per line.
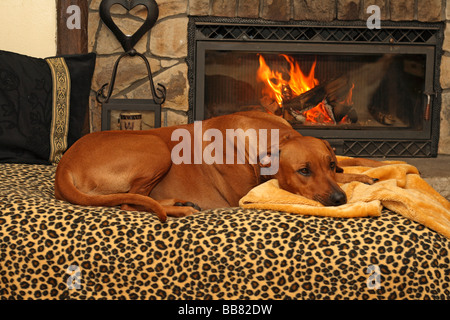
<point x="180" y="211"/>
<point x="370" y="181"/>
<point x="187" y="204"/>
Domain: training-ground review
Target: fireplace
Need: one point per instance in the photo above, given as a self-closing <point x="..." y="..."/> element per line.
<point x="369" y="92"/>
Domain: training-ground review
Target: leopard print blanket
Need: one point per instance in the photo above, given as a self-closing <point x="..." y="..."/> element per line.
<point x="50" y="249"/>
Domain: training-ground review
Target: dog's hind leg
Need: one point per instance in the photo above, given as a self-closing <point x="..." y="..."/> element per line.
<point x="179" y="208"/>
<point x="172" y="207"/>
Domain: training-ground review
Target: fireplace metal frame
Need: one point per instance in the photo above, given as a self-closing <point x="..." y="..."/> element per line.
<point x="340" y="37"/>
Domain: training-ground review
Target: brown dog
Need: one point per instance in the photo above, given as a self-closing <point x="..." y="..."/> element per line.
<point x="136" y="169"/>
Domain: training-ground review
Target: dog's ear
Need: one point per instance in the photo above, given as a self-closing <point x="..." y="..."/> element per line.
<point x="332" y="151"/>
<point x="284" y="139"/>
<point x="330" y="148"/>
<point x="328" y="145"/>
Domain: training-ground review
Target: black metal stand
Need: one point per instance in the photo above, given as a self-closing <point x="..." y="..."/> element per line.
<point x="128" y="42"/>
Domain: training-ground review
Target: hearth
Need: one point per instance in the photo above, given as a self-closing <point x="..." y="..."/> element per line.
<point x="370" y="92"/>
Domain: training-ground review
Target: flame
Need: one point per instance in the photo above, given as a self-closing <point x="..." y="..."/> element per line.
<point x="348" y="99"/>
<point x="318" y="114"/>
<point x="298" y="83"/>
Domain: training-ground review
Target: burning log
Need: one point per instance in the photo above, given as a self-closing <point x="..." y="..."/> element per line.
<point x="321" y="114"/>
<point x="270" y="105"/>
<point x="334" y="91"/>
<point x="334" y="98"/>
<point x="329" y="109"/>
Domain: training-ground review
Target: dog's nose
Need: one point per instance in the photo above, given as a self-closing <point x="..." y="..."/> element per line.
<point x="337" y="198"/>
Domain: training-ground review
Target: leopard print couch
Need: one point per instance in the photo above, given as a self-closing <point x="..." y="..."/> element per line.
<point x="50" y="249"/>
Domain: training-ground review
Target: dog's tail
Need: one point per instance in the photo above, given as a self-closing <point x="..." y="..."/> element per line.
<point x="66" y="190"/>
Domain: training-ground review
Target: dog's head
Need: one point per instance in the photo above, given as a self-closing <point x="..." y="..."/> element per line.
<point x="308" y="166"/>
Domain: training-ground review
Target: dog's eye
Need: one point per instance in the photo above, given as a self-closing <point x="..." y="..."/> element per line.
<point x="304" y="171"/>
<point x="333" y="165"/>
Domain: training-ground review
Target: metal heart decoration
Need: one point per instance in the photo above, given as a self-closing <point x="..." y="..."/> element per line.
<point x="128" y="42"/>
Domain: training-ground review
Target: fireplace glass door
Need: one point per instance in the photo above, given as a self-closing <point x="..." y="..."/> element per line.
<point x="327" y="88"/>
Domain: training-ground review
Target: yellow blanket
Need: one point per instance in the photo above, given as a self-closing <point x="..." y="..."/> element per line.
<point x="400" y="189"/>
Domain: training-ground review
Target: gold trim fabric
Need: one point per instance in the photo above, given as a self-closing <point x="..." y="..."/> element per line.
<point x="61" y="108"/>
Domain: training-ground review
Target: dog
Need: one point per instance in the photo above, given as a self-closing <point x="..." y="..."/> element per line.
<point x="136" y="171"/>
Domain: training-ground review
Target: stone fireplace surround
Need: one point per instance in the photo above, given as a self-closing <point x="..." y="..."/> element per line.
<point x="166" y="46"/>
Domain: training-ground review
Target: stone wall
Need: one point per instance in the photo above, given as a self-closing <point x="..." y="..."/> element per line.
<point x="165" y="48"/>
<point x="166" y="45"/>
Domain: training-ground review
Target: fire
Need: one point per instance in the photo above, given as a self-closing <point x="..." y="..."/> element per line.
<point x="298" y="82"/>
<point x="348" y="99"/>
<point x="318" y="114"/>
<point x="281" y="85"/>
